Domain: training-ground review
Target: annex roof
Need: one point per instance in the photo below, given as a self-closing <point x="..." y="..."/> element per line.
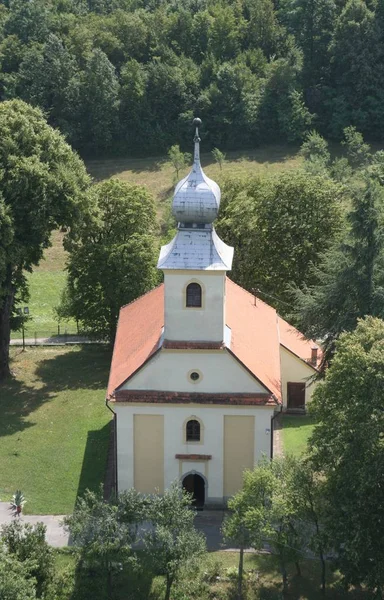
<point x="256" y="334"/>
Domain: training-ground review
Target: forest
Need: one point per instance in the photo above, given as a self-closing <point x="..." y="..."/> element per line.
<point x="125" y="77"/>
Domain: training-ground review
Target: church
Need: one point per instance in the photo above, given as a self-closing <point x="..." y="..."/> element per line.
<point x="200" y="366"/>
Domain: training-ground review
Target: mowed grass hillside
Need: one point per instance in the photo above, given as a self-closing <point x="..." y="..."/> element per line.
<point x="158" y="175"/>
<point x="54" y="426"/>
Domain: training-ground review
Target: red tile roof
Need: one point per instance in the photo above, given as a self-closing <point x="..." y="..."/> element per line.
<point x="256" y="334"/>
<point x="294" y="341"/>
<point x="138" y="335"/>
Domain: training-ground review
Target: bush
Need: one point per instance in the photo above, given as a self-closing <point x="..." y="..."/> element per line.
<point x="27" y="543"/>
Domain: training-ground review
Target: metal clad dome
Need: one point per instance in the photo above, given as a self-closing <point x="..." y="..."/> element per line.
<point x="197" y="198"/>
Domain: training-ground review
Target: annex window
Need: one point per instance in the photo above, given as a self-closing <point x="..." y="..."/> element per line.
<point x="193" y="431"/>
<point x="194" y="295"/>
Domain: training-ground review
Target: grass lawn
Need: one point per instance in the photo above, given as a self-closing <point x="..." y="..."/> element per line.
<point x="54" y="426"/>
<point x="296" y="431"/>
<point x="46" y="284"/>
<point x="214" y="578"/>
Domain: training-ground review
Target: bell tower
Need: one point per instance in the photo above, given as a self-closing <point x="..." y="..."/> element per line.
<point x="195" y="262"/>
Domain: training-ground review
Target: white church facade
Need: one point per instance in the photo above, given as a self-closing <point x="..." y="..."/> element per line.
<point x="200" y="367"/>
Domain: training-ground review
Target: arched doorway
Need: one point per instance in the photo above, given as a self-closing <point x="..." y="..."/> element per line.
<point x="195" y="484"/>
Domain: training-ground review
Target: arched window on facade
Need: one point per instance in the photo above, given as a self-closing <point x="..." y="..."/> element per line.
<point x="193" y="431"/>
<point x="194" y="295"/>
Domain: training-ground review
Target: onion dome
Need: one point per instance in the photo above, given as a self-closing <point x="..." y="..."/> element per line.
<point x="197" y="198"/>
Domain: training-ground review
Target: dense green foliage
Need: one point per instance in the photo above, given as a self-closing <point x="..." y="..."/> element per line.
<point x="127" y="75"/>
<point x="279" y="226"/>
<point x="112" y="258"/>
<point x="43" y="186"/>
<point x="347" y="448"/>
<point x="347" y="283"/>
<point x="26" y="544"/>
<point x="16" y="582"/>
<point x="105" y="531"/>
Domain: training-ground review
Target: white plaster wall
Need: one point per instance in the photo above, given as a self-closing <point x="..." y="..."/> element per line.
<point x="295" y="370"/>
<point x="175" y="417"/>
<point x="169" y="370"/>
<point x="194" y="324"/>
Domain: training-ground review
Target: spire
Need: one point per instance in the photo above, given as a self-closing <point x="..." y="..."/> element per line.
<point x="197" y="140"/>
<point x="197" y="198"/>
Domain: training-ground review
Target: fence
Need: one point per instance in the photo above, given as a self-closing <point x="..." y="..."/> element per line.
<point x="48" y="337"/>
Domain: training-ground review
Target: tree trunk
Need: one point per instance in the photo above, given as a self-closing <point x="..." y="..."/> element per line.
<point x="169" y="581"/>
<point x="109" y="579"/>
<point x="298" y="569"/>
<point x="5" y="333"/>
<point x="284" y="576"/>
<point x="240" y="575"/>
<point x="323" y="567"/>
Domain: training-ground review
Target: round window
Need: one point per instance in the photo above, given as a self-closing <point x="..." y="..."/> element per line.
<point x="194" y="376"/>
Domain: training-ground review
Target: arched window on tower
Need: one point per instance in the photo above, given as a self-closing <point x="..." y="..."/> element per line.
<point x="193" y="295"/>
<point x="193" y="431"/>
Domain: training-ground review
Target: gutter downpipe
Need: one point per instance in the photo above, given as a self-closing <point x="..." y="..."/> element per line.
<point x="114" y="442"/>
<point x="273" y="427"/>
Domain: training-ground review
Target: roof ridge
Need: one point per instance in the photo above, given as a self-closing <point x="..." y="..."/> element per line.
<point x="142" y="296"/>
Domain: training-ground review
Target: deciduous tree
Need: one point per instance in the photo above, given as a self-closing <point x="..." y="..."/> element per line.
<point x="279" y="226"/>
<point x="349" y="281"/>
<point x="43" y="185"/>
<point x="347" y="449"/>
<point x="112" y="261"/>
<point x="174" y="542"/>
<point x="105" y="531"/>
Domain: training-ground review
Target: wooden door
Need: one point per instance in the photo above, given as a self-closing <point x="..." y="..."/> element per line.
<point x="296" y="395"/>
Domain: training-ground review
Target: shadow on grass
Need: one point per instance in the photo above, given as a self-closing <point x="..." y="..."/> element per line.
<point x="129" y="583"/>
<point x="86" y="368"/>
<point x="95" y="456"/>
<point x="104" y="168"/>
<point x="304" y="587"/>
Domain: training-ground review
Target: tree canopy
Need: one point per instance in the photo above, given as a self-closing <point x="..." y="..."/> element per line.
<point x="43" y="185"/>
<point x="347" y="449"/>
<point x="112" y="258"/>
<point x="126" y="76"/>
<point x="279" y="226"/>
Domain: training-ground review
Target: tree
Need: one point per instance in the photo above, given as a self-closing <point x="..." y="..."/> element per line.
<point x="179" y="160"/>
<point x="48" y="77"/>
<point x="105" y="531"/>
<point x="311" y="504"/>
<point x="236" y="527"/>
<point x="27" y="544"/>
<point x="347" y="449"/>
<point x="16" y="582"/>
<point x="266" y="510"/>
<point x="219" y="157"/>
<point x="279" y="226"/>
<point x="112" y="260"/>
<point x="43" y="186"/>
<point x="99" y="90"/>
<point x="174" y="542"/>
<point x="356" y="71"/>
<point x="349" y="282"/>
